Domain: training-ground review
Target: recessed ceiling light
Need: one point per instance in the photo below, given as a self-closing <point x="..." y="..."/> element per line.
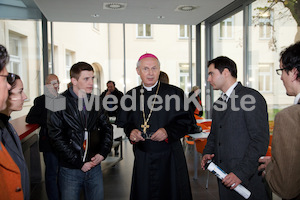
<point x="185" y="8"/>
<point x="114" y="6"/>
<point x="160" y="17"/>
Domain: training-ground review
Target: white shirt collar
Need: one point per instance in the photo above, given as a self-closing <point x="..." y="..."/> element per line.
<point x="229" y="91"/>
<point x="151" y="87"/>
<point x="297" y="99"/>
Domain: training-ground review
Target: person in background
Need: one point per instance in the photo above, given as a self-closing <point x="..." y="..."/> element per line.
<point x="160" y="170"/>
<point x="196" y="111"/>
<point x="38" y="115"/>
<point x="239" y="133"/>
<point x="9" y="136"/>
<point x="82" y="137"/>
<point x="163" y="77"/>
<point x="282" y="170"/>
<point x="113" y="91"/>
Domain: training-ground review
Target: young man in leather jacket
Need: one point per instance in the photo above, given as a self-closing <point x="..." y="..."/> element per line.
<point x="82" y="137"/>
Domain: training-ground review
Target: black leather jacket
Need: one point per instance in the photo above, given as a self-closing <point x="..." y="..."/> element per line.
<point x="67" y="127"/>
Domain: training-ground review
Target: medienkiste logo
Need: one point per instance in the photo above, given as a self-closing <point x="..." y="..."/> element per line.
<point x="56" y="102"/>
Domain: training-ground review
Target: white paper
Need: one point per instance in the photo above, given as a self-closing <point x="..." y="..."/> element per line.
<point x="212" y="167"/>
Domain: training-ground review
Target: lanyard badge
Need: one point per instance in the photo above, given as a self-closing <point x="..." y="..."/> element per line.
<point x="85" y="143"/>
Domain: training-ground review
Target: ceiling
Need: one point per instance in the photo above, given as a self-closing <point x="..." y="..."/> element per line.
<point x="131" y="11"/>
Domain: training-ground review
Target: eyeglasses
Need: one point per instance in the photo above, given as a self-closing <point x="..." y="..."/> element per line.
<point x="10" y="77"/>
<point x="279" y="71"/>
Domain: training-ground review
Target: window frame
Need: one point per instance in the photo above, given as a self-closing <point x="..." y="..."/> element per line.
<point x="68" y="63"/>
<point x="226" y="21"/>
<point x="144" y="36"/>
<point x="264" y="75"/>
<point x="265" y="20"/>
<point x="186" y="32"/>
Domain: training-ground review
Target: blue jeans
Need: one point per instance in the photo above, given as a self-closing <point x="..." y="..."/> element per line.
<point x="51" y="175"/>
<point x="72" y="181"/>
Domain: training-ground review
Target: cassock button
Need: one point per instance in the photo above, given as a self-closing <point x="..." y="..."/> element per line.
<point x="18" y="189"/>
<point x="219" y="143"/>
<point x="220" y="126"/>
<point x="220" y="161"/>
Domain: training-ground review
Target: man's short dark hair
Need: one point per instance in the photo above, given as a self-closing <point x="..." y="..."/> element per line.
<point x="77" y="68"/>
<point x="223" y="62"/>
<point x="290" y="58"/>
<point x="4" y="57"/>
<point x="111" y="82"/>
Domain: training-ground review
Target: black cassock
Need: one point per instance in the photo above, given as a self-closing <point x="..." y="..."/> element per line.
<point x="160" y="170"/>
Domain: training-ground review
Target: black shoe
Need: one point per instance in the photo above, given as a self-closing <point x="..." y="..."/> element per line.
<point x="116" y="153"/>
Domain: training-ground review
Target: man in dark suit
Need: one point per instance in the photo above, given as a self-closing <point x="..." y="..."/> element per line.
<point x="239" y="133"/>
<point x="38" y="115"/>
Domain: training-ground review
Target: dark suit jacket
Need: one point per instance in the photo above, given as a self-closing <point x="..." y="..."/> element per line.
<point x="38" y="115"/>
<point x="238" y="138"/>
<point x="13" y="146"/>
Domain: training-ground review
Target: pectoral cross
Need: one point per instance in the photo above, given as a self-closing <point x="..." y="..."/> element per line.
<point x="145" y="126"/>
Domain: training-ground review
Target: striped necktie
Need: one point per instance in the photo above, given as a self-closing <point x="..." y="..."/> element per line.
<point x="224" y="97"/>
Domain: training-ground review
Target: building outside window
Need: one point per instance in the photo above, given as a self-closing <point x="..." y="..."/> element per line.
<point x="265" y="24"/>
<point x="144" y="31"/>
<point x="230" y="48"/>
<point x="15" y="50"/>
<point x="265" y="77"/>
<point x="69" y="63"/>
<point x="184" y="77"/>
<point x="50" y="65"/>
<point x="226" y="28"/>
<point x="264" y="55"/>
<point x="184" y="31"/>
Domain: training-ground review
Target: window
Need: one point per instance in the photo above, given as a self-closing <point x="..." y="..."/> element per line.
<point x="226" y="28"/>
<point x="144" y="31"/>
<point x="265" y="24"/>
<point x="264" y="55"/>
<point x="184" y="31"/>
<point x="184" y="77"/>
<point x="19" y="60"/>
<point x="69" y="62"/>
<point x="231" y="48"/>
<point x="15" y="51"/>
<point x="265" y="77"/>
<point x="50" y="65"/>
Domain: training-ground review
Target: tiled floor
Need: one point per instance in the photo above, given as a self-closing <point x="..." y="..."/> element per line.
<point x="117" y="180"/>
